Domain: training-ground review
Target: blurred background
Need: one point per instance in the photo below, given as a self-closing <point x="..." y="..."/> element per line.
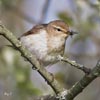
<point x="17" y="80"/>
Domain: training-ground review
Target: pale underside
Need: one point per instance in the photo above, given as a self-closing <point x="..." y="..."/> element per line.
<point x="38" y="44"/>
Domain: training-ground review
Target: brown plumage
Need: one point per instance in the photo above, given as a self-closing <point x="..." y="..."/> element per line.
<point x="47" y="41"/>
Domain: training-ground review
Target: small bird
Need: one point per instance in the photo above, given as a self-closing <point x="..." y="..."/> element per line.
<point x="47" y="41"/>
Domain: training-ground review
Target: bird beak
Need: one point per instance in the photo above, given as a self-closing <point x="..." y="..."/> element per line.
<point x="71" y="32"/>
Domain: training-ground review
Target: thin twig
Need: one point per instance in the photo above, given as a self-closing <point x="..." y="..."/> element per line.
<point x="71" y="93"/>
<point x="85" y="81"/>
<point x="76" y="65"/>
<point x="52" y="82"/>
<point x="79" y="86"/>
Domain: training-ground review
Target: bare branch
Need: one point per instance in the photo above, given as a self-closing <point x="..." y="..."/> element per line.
<point x="79" y="86"/>
<point x="76" y="65"/>
<point x="67" y="94"/>
<point x="32" y="59"/>
<point x="86" y="80"/>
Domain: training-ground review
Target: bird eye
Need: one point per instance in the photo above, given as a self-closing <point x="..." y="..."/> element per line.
<point x="58" y="29"/>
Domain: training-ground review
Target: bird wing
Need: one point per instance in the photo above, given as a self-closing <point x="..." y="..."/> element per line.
<point x="35" y="29"/>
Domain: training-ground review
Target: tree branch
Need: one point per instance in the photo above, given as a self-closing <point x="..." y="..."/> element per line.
<point x="86" y="80"/>
<point x="71" y="93"/>
<point x="32" y="59"/>
<point x="79" y="86"/>
<point x="76" y="65"/>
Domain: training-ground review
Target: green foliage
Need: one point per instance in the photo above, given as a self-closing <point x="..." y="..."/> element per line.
<point x="84" y="27"/>
<point x="6" y="4"/>
<point x="19" y="71"/>
<point x="66" y="17"/>
<point x="24" y="84"/>
<point x="12" y="65"/>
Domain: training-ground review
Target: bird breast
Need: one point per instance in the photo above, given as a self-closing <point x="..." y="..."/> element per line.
<point x="36" y="43"/>
<point x="41" y="45"/>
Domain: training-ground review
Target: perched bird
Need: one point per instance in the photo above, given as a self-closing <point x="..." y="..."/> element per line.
<point x="47" y="41"/>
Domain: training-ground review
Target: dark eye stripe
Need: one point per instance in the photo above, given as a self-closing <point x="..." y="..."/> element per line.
<point x="59" y="29"/>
